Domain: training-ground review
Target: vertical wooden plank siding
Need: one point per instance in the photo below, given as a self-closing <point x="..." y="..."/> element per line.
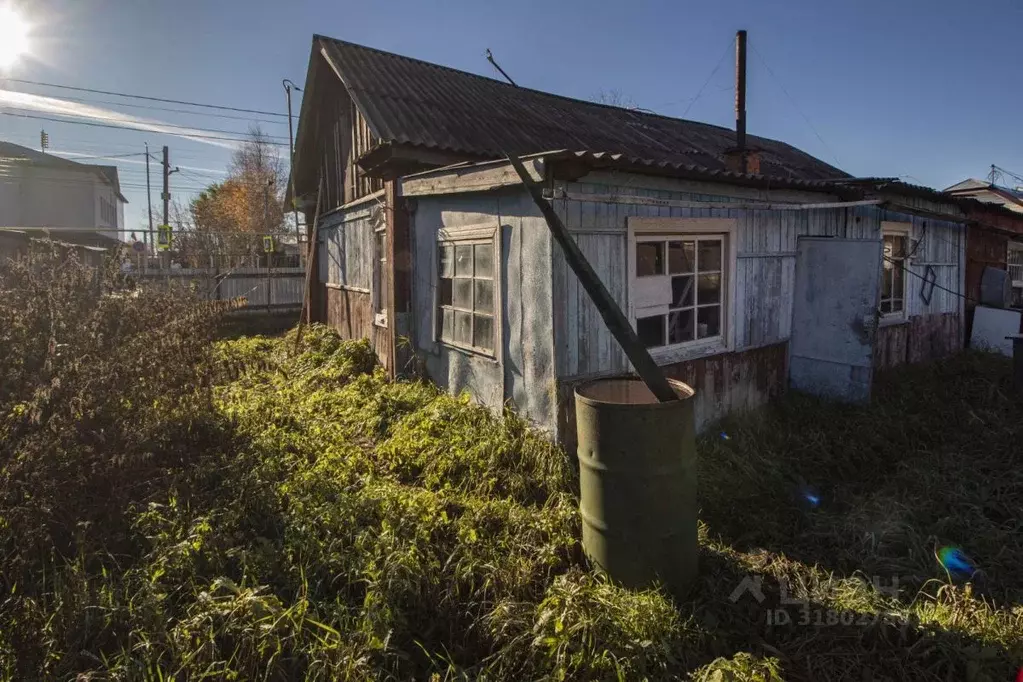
<point x="764" y="275"/>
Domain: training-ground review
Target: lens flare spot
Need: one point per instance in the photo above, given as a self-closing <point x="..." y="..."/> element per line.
<point x="955" y="562"/>
<point x="725" y="436"/>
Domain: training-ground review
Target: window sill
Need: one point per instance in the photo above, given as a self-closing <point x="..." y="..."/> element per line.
<point x="892" y="321"/>
<point x="690" y="351"/>
<point x="471" y="352"/>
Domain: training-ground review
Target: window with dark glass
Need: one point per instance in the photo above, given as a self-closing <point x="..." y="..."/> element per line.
<point x="893" y="276"/>
<point x="465" y="297"/>
<point x="691" y="268"/>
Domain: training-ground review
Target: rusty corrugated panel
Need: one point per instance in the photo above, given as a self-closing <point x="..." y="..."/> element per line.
<point x="413" y="102"/>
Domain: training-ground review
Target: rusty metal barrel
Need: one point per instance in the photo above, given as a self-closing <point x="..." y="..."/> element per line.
<point x="637" y="468"/>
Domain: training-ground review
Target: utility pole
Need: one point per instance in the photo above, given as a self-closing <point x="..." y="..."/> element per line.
<point x="148" y="238"/>
<point x="288" y="87"/>
<point x="166" y="199"/>
<point x="740" y="98"/>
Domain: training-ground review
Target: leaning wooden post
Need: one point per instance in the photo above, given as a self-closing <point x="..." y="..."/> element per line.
<point x="613" y="316"/>
<point x="306" y="314"/>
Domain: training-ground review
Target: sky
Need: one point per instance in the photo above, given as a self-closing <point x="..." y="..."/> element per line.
<point x="921" y="90"/>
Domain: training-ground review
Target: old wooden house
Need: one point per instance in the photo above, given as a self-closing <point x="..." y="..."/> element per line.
<point x="740" y="283"/>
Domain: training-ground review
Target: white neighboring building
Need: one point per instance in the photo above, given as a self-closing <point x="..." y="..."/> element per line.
<point x="39" y="190"/>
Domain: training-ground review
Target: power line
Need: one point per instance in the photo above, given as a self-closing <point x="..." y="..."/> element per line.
<point x="793" y="102"/>
<point x="699" y="93"/>
<point x="141" y="130"/>
<point x="87" y="100"/>
<point x="154" y="123"/>
<point x="144" y="97"/>
<point x="78" y="157"/>
<point x="902" y="265"/>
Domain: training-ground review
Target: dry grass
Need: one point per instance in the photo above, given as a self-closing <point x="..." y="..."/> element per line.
<point x="325" y="523"/>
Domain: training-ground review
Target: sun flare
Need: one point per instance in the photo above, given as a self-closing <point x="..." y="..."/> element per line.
<point x="14" y="32"/>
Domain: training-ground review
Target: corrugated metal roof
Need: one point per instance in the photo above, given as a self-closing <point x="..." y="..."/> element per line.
<point x="408" y="101"/>
<point x="695" y="171"/>
<point x="19" y="154"/>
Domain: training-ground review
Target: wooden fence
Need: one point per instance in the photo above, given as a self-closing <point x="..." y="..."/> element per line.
<point x="275" y="289"/>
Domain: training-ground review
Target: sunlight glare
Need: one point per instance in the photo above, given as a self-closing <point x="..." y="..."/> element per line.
<point x="14" y="31"/>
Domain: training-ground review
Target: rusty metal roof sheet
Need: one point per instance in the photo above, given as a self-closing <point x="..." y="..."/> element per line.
<point x="408" y="101"/>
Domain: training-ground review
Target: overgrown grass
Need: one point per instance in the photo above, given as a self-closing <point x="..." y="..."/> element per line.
<point x="317" y="521"/>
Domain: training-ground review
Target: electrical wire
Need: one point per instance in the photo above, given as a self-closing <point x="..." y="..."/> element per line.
<point x="902" y="265"/>
<point x="144" y="97"/>
<point x="110" y="119"/>
<point x="78" y="157"/>
<point x="699" y="93"/>
<point x="792" y="101"/>
<point x="141" y="130"/>
<point x="86" y="100"/>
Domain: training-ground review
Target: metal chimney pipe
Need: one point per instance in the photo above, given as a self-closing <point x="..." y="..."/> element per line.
<point x="740" y="97"/>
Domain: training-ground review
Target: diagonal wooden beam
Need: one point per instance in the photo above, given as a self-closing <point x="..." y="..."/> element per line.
<point x="306" y="314"/>
<point x="613" y="316"/>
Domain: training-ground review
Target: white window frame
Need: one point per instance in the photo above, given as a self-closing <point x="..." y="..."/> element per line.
<point x="903" y="230"/>
<point x="1015" y="271"/>
<point x="464" y="236"/>
<point x="379" y="275"/>
<point x="672" y="229"/>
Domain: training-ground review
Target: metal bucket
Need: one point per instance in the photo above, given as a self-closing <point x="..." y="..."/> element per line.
<point x="637" y="468"/>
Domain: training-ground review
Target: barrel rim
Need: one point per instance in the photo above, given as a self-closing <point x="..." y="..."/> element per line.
<point x="682" y="389"/>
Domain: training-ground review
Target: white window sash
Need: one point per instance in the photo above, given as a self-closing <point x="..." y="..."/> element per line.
<point x="904" y="231"/>
<point x="684" y="229"/>
<point x="468" y="236"/>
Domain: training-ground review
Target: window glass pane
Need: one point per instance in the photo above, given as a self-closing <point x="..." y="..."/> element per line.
<point x="651" y="330"/>
<point x="463" y="328"/>
<point x="886" y="281"/>
<point x="898" y="281"/>
<point x="897" y="305"/>
<point x="888" y="250"/>
<point x="886" y="307"/>
<point x="447" y="330"/>
<point x="447" y="261"/>
<point x="710" y="255"/>
<point x="444" y="292"/>
<point x="483" y="332"/>
<point x="484" y="302"/>
<point x="708" y="289"/>
<point x="484" y="260"/>
<point x="649" y="258"/>
<point x="462" y="293"/>
<point x="681" y="291"/>
<point x="680" y="257"/>
<point x="680" y="326"/>
<point x="463" y="261"/>
<point x="708" y="322"/>
<point x="898" y="247"/>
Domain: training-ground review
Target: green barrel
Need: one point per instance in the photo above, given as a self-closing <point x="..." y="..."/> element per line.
<point x="637" y="468"/>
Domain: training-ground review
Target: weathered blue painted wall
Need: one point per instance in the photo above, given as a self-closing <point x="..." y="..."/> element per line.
<point x="522" y="373"/>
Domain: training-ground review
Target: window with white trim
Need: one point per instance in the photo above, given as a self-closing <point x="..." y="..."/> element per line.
<point x="893" y="274"/>
<point x="1015" y="260"/>
<point x="466" y="294"/>
<point x="679" y="288"/>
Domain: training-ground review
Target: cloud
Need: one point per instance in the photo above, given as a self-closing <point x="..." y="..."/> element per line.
<point x="121" y="159"/>
<point x="61" y="107"/>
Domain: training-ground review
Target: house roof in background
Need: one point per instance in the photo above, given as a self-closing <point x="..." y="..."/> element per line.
<point x="11" y="151"/>
<point x="411" y="102"/>
<point x="989" y="193"/>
